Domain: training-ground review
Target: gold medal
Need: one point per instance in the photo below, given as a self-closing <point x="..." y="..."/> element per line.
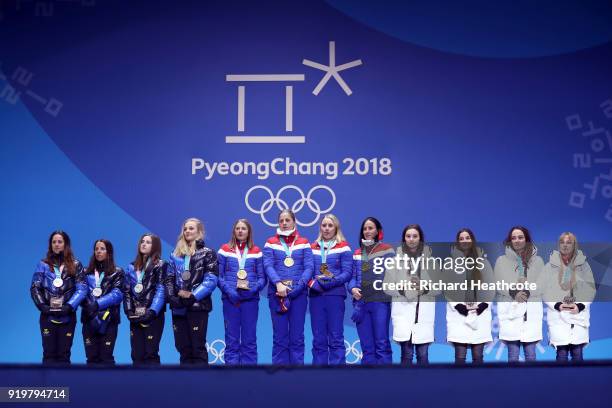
<point x="289" y="262"/>
<point x="365" y="266"/>
<point x="242" y="274"/>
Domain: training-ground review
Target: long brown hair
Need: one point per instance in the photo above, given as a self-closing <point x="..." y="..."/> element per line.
<point x="233" y="242"/>
<point x="154" y="256"/>
<point x="471" y="253"/>
<point x="67" y="254"/>
<point x="418" y="229"/>
<point x="109" y="264"/>
<point x="528" y="243"/>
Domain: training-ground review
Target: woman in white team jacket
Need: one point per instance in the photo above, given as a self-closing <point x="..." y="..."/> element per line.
<point x="468" y="313"/>
<point x="413" y="310"/>
<point x="520" y="312"/>
<point x="569" y="289"/>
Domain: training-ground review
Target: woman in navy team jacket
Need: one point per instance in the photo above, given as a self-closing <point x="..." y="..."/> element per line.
<point x="101" y="315"/>
<point x="372" y="308"/>
<point x="333" y="267"/>
<point x="288" y="264"/>
<point x="144" y="300"/>
<point x="57" y="290"/>
<point x="191" y="279"/>
<point x="241" y="277"/>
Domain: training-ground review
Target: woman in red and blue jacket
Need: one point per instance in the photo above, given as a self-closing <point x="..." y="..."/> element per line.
<point x="333" y="268"/>
<point x="371" y="307"/>
<point x="101" y="316"/>
<point x="287" y="259"/>
<point x="57" y="290"/>
<point x="241" y="277"/>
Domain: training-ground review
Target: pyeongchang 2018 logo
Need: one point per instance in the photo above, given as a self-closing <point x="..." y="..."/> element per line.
<point x="310" y="203"/>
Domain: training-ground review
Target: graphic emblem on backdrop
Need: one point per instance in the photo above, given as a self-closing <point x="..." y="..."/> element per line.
<point x="296" y="207"/>
<point x="331" y="70"/>
<point x="598" y="157"/>
<point x="352" y="354"/>
<point x="216" y="350"/>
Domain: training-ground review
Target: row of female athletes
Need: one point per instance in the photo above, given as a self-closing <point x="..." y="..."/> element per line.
<point x="300" y="274"/>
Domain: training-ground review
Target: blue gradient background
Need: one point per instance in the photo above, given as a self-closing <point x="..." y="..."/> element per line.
<point x="468" y="102"/>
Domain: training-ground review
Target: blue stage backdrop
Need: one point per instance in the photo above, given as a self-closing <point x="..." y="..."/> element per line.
<point x="120" y="117"/>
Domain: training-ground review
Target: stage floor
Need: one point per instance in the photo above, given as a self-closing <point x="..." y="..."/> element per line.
<point x="544" y="384"/>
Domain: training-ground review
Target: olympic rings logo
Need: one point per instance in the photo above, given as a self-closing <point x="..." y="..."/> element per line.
<point x="217" y="354"/>
<point x="356" y="354"/>
<point x="281" y="204"/>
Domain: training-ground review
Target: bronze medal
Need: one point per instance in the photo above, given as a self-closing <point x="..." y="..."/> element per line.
<point x="325" y="270"/>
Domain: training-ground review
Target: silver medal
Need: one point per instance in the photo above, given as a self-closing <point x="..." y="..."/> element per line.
<point x="58" y="282"/>
<point x="186" y="275"/>
<point x="138" y="288"/>
<point x="97" y="292"/>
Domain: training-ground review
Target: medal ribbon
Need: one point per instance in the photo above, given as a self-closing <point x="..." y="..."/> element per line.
<point x="520" y="266"/>
<point x="58" y="271"/>
<point x="242" y="258"/>
<point x="99" y="277"/>
<point x="567" y="273"/>
<point x="364" y="253"/>
<point x="186" y="262"/>
<point x="140" y="274"/>
<point x="288" y="250"/>
<point x="323" y="253"/>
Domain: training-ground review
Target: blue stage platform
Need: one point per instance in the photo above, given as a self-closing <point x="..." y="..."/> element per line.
<point x="540" y="384"/>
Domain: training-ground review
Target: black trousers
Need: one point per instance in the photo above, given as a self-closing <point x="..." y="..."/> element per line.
<point x="145" y="341"/>
<point x="56" y="339"/>
<point x="99" y="348"/>
<point x="190" y="337"/>
<point x="461" y="352"/>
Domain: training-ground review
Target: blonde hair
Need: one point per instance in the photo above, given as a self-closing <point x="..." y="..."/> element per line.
<point x="233" y="242"/>
<point x="182" y="248"/>
<point x="572" y="258"/>
<point x="573" y="238"/>
<point x="339" y="235"/>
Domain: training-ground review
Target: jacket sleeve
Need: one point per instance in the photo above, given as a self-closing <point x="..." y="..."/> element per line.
<point x="128" y="302"/>
<point x="159" y="299"/>
<point x="268" y="263"/>
<point x="487" y="276"/>
<point x="308" y="267"/>
<point x="222" y="261"/>
<point x="586" y="291"/>
<point x="355" y="281"/>
<point x="503" y="295"/>
<point x="346" y="272"/>
<point x="36" y="288"/>
<point x="115" y="296"/>
<point x="81" y="287"/>
<point x="300" y="285"/>
<point x="170" y="283"/>
<point x="261" y="275"/>
<point x="392" y="275"/>
<point x="209" y="281"/>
